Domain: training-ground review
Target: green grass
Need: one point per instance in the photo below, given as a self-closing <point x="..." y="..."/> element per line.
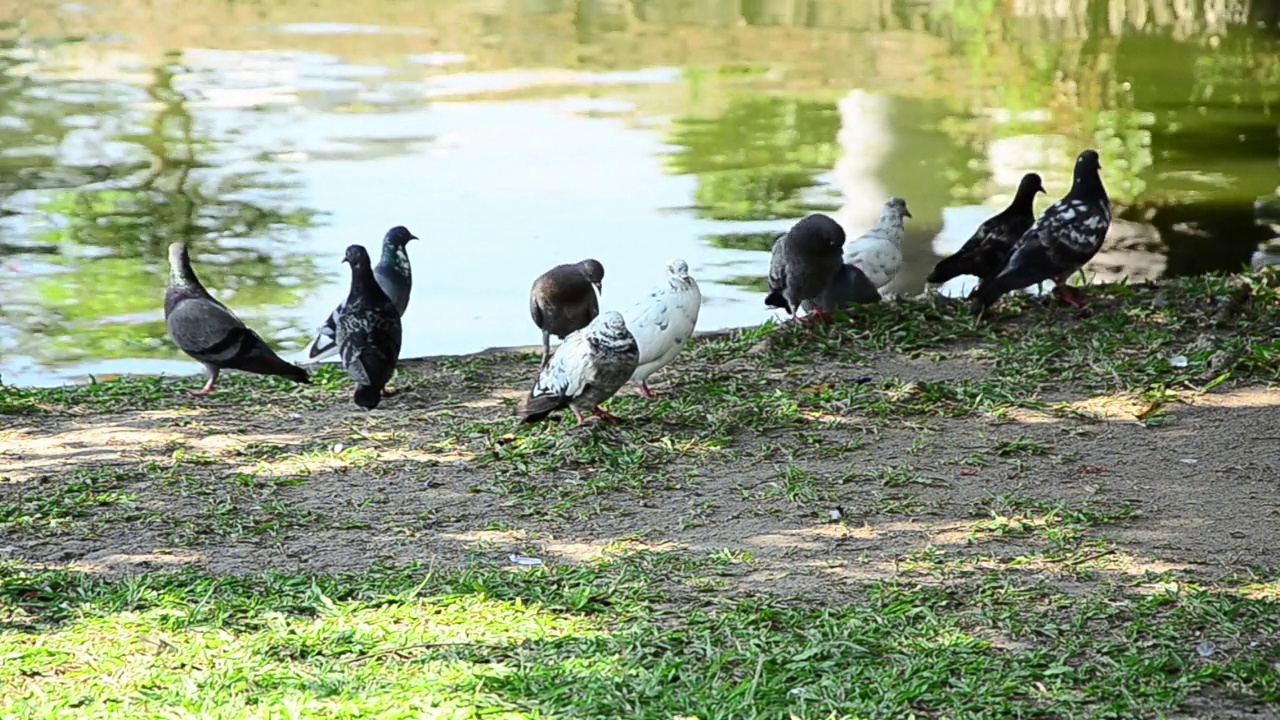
<point x="634" y="635"/>
<point x="776" y="426"/>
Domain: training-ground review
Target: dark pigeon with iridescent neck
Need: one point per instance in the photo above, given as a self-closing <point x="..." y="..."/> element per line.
<point x="395" y="278"/>
<point x="562" y="300"/>
<point x="803" y="263"/>
<point x="210" y="333"/>
<point x="985" y="254"/>
<point x="368" y="333"/>
<point x="1067" y="235"/>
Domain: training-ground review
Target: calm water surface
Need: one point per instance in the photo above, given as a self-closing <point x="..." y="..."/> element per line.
<point x="511" y="135"/>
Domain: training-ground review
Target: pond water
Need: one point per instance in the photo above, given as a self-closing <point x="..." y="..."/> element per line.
<point x="512" y="135"/>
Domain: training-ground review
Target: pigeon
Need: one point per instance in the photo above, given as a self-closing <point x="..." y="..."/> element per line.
<point x="663" y="321"/>
<point x="984" y="254"/>
<point x="804" y="261"/>
<point x="368" y="331"/>
<point x="878" y="253"/>
<point x="394" y="277"/>
<point x="588" y="368"/>
<point x="562" y="301"/>
<point x="1065" y="237"/>
<point x="850" y="286"/>
<point x="210" y="333"/>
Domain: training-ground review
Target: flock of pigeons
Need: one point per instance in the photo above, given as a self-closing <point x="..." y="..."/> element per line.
<point x="811" y="270"/>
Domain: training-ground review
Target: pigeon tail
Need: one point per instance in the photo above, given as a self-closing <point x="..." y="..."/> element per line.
<point x="1013" y="278"/>
<point x="264" y="361"/>
<point x="368" y="396"/>
<point x="979" y="264"/>
<point x="534" y="409"/>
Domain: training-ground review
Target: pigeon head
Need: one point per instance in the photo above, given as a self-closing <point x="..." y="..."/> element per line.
<point x="1088" y="160"/>
<point x="357" y="257"/>
<point x="678" y="268"/>
<point x="895" y="208"/>
<point x="594" y="272"/>
<point x="1030" y="185"/>
<point x="398" y="236"/>
<point x="1086" y="183"/>
<point x="180" y="272"/>
<point x="611" y="323"/>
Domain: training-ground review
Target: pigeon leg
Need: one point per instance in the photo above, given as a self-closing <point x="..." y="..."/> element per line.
<point x="600" y="413"/>
<point x="1069" y="295"/>
<point x="644" y="389"/>
<point x="208" y="386"/>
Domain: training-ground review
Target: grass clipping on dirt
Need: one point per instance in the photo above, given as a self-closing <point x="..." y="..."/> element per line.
<point x="1045" y="514"/>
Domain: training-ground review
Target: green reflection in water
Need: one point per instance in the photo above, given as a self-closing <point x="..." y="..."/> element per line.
<point x="124" y="215"/>
<point x="754" y="159"/>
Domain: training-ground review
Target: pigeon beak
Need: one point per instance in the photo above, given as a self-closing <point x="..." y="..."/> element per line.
<point x="599" y="287"/>
<point x="1042" y="190"/>
<point x="906" y="212"/>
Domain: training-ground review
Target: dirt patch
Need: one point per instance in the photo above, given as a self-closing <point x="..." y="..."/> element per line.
<point x="822" y="507"/>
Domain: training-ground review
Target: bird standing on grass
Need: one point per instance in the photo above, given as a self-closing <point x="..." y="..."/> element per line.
<point x="984" y="254"/>
<point x="803" y="262"/>
<point x="663" y="321"/>
<point x="368" y="331"/>
<point x="562" y="300"/>
<point x="393" y="275"/>
<point x="878" y="253"/>
<point x="589" y="367"/>
<point x="210" y="333"/>
<point x="1067" y="235"/>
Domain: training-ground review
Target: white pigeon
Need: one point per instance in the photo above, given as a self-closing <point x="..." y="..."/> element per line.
<point x="663" y="321"/>
<point x="878" y="253"/>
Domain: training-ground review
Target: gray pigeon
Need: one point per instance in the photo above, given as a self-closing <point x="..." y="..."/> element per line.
<point x="985" y="253"/>
<point x="368" y="332"/>
<point x="210" y="333"/>
<point x="1067" y="235"/>
<point x="395" y="278"/>
<point x="804" y="262"/>
<point x="850" y="286"/>
<point x="562" y="300"/>
<point x="588" y="368"/>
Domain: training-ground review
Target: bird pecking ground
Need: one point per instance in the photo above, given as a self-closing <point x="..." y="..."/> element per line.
<point x="1049" y="514"/>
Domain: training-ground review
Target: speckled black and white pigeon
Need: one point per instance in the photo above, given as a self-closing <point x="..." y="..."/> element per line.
<point x="850" y="286"/>
<point x="984" y="254"/>
<point x="589" y="367"/>
<point x="210" y="333"/>
<point x="1065" y="237"/>
<point x="562" y="300"/>
<point x="803" y="262"/>
<point x="368" y="333"/>
<point x="394" y="276"/>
